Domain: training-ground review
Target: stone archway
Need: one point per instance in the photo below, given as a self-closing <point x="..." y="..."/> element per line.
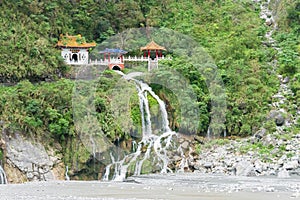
<point x="116" y="67"/>
<point x="75" y="57"/>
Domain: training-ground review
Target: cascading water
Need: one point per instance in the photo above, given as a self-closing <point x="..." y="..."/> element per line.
<point x="158" y="143"/>
<point x="67" y="178"/>
<point x="3" y="179"/>
<point x="208" y="133"/>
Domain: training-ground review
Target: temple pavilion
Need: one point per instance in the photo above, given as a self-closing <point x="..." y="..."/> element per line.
<point x="74" y="49"/>
<point x="148" y="50"/>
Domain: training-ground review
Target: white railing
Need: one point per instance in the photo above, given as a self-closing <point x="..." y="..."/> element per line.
<point x="136" y="59"/>
<point x="114" y="60"/>
<point x="98" y="62"/>
<point x="164" y="58"/>
<point x="73" y="62"/>
<point x="106" y="61"/>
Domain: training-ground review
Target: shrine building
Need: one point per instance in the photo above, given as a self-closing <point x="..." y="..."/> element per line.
<point x="74" y="49"/>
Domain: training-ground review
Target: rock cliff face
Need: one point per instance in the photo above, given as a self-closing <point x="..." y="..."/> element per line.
<point x="44" y="159"/>
<point x="27" y="160"/>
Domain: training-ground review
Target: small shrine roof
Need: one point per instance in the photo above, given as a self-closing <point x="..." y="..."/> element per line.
<point x="118" y="51"/>
<point x="74" y="41"/>
<point x="152" y="46"/>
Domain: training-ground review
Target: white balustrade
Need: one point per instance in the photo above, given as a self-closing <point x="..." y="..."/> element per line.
<point x="99" y="62"/>
<point x="114" y="60"/>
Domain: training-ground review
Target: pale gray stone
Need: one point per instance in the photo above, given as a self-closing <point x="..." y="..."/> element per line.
<point x="289" y="147"/>
<point x="244" y="168"/>
<point x="208" y="165"/>
<point x="31" y="158"/>
<point x="185" y="145"/>
<point x="291" y="165"/>
<point x="283" y="174"/>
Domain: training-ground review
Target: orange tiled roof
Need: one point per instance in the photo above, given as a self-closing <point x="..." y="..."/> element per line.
<point x="152" y="46"/>
<point x="74" y="41"/>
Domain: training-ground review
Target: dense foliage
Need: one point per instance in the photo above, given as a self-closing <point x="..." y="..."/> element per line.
<point x="230" y="31"/>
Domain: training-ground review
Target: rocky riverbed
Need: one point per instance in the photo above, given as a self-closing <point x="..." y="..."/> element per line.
<point x="167" y="186"/>
<point x="260" y="155"/>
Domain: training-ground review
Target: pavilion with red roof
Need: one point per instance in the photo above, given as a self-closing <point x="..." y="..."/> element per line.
<point x="148" y="49"/>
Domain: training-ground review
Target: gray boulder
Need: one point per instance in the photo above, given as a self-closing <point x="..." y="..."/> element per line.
<point x="185" y="145"/>
<point x="291" y="165"/>
<point x="244" y="168"/>
<point x="279" y="120"/>
<point x="30" y="158"/>
<point x="283" y="174"/>
<point x="286" y="80"/>
<point x="269" y="21"/>
<point x="260" y="133"/>
<point x="208" y="165"/>
<point x="277" y="116"/>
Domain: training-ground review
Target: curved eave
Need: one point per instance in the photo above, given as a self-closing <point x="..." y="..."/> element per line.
<point x="113" y="51"/>
<point x="75" y="46"/>
<point x="66" y="46"/>
<point x="152" y="46"/>
<point x="149" y="48"/>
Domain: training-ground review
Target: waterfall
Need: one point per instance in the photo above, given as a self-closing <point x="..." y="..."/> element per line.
<point x="208" y="133"/>
<point x="162" y="106"/>
<point x="3" y="179"/>
<point x="144" y="108"/>
<point x="158" y="143"/>
<point x="67" y="178"/>
<point x="107" y="169"/>
<point x="183" y="162"/>
<point x="93" y="147"/>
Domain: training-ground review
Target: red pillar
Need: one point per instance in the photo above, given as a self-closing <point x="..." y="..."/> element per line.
<point x="109" y="57"/>
<point x="121" y="58"/>
<point x="148" y="53"/>
<point x="104" y="56"/>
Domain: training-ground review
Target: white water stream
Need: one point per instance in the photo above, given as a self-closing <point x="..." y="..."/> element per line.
<point x="152" y="147"/>
<point x="3" y="179"/>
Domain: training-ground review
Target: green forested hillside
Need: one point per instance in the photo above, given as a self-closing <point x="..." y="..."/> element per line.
<point x="230" y="31"/>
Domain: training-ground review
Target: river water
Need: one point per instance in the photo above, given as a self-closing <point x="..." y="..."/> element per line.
<point x="159" y="186"/>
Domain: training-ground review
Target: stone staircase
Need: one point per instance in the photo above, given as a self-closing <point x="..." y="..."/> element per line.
<point x="152" y="64"/>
